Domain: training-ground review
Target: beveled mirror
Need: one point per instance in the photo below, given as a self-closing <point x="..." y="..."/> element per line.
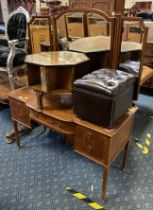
<point x="88" y="31"/>
<point x="132" y="50"/>
<point x="40" y="33"/>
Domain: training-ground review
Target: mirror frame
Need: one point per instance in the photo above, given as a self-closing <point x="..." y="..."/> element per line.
<point x="33" y="18"/>
<point x="115" y="31"/>
<point x="143" y="41"/>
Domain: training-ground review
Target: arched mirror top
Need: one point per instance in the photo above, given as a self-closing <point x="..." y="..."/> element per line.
<point x="85" y="30"/>
<point x="86" y="10"/>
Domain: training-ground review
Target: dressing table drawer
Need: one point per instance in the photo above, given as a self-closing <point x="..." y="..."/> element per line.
<point x="91" y="144"/>
<point x="55" y="124"/>
<point x="20" y="112"/>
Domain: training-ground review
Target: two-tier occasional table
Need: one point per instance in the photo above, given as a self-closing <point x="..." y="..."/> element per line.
<point x="52" y="72"/>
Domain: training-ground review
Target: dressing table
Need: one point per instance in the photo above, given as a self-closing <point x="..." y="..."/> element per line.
<point x="97" y="143"/>
<point x="50" y="78"/>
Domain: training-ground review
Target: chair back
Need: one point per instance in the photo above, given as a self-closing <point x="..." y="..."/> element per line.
<point x="16" y="26"/>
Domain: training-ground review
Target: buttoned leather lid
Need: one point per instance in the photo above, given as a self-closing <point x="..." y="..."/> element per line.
<point x="107" y="81"/>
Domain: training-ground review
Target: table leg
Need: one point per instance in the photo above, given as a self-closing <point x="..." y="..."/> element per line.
<point x="39" y="99"/>
<point x="125" y="156"/>
<point x="15" y="125"/>
<point x="104" y="184"/>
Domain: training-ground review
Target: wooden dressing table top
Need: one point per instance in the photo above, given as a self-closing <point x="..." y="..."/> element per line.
<point x="58" y="58"/>
<point x="52" y="105"/>
<point x="53" y="108"/>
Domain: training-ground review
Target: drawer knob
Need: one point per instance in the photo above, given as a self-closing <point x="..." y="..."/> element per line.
<point x="59" y="124"/>
<point x="89" y="135"/>
<point x="21" y="115"/>
<point x="18" y="105"/>
<point x="89" y="148"/>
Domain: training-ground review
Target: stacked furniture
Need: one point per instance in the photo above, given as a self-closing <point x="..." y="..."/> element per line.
<point x="45" y="106"/>
<point x="47" y="100"/>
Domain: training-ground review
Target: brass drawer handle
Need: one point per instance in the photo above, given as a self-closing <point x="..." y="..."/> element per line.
<point x="89" y="148"/>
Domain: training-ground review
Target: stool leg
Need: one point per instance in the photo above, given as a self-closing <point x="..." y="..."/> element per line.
<point x="104" y="184"/>
<point x="125" y="157"/>
<point x="15" y="125"/>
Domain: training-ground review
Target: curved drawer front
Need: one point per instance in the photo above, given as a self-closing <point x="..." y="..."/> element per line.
<point x="55" y="124"/>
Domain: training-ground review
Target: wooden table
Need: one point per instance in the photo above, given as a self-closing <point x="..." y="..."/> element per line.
<point x="100" y="43"/>
<point x="53" y="71"/>
<point x="97" y="143"/>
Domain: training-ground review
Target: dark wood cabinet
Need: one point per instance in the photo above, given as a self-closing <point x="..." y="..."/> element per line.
<point x="108" y="6"/>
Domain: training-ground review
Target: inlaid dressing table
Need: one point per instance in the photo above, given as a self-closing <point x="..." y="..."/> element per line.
<point x="42" y="101"/>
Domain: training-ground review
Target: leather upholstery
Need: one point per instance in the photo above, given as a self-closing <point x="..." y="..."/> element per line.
<point x="103" y="96"/>
<point x="131" y="67"/>
<point x="18" y="59"/>
<point x="16" y="29"/>
<point x="3" y="42"/>
<point x="105" y="81"/>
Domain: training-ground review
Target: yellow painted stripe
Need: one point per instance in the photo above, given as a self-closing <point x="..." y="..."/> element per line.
<point x="79" y="196"/>
<point x="147" y="142"/>
<point x="145" y="150"/>
<point x="139" y="145"/>
<point x="95" y="205"/>
<point x="149" y="135"/>
<point x="149" y="116"/>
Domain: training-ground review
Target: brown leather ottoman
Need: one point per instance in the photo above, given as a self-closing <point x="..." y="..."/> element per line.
<point x="103" y="96"/>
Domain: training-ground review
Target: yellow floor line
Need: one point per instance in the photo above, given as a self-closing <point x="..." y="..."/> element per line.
<point x="82" y="197"/>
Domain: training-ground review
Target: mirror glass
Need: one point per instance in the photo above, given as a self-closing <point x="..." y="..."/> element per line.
<point x="40" y="33"/>
<point x="83" y="32"/>
<point x="132" y="35"/>
<point x="133" y="39"/>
